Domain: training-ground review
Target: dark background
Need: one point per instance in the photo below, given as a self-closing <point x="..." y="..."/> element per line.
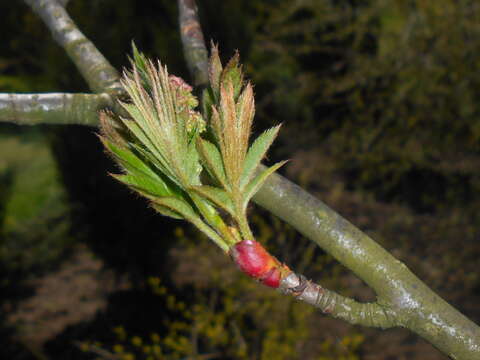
<point x="377" y="99"/>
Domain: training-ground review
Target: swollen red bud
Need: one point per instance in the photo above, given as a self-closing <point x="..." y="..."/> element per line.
<point x="272" y="278"/>
<point x="252" y="258"/>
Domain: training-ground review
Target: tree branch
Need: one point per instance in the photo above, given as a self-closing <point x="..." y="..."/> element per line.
<point x="194" y="49"/>
<point x="95" y="69"/>
<point x="329" y="302"/>
<point x="53" y="108"/>
<point x="416" y="306"/>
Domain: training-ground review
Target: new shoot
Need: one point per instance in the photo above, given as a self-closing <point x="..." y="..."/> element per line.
<point x="198" y="166"/>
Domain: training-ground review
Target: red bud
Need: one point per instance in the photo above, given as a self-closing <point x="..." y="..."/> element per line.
<point x="272" y="278"/>
<point x="252" y="258"/>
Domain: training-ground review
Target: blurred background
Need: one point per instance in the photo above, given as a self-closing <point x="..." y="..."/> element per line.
<point x="377" y="99"/>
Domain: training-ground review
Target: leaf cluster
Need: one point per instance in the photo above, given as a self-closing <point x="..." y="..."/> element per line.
<point x="194" y="166"/>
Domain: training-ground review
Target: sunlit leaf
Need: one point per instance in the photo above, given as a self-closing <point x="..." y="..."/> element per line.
<point x="233" y="74"/>
<point x="215" y="72"/>
<point x="179" y="206"/>
<point x="212" y="159"/>
<point x="144" y="184"/>
<point x="140" y="61"/>
<point x="256" y="152"/>
<point x="139" y="175"/>
<point x="167" y="212"/>
<point x="258" y="181"/>
<point x="217" y="196"/>
<point x="209" y="212"/>
<point x="207" y="101"/>
<point x="128" y="159"/>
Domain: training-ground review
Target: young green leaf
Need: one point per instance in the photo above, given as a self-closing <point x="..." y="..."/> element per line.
<point x="139" y="175"/>
<point x="146" y="147"/>
<point x="148" y="187"/>
<point x="128" y="159"/>
<point x="158" y="162"/>
<point x="215" y="72"/>
<point x="208" y="100"/>
<point x="167" y="212"/>
<point x="256" y="152"/>
<point x="212" y="160"/>
<point x="258" y="181"/>
<point x="188" y="213"/>
<point x="209" y="213"/>
<point x="217" y="196"/>
<point x="233" y="74"/>
<point x="179" y="206"/>
<point x="140" y="62"/>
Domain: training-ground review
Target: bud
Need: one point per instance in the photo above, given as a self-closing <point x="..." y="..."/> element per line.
<point x="178" y="83"/>
<point x="183" y="91"/>
<point x="252" y="259"/>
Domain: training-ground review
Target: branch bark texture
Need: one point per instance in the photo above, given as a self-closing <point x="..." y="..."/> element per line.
<point x="54" y="108"/>
<point x="194" y="49"/>
<point x="94" y="67"/>
<point x="415" y="306"/>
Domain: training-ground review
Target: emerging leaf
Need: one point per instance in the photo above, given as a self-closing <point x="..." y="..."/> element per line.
<point x="147" y="186"/>
<point x="233" y="74"/>
<point x="229" y="108"/>
<point x="231" y="126"/>
<point x="215" y="72"/>
<point x="167" y="212"/>
<point x="208" y="100"/>
<point x="179" y="206"/>
<point x="256" y="152"/>
<point x="212" y="160"/>
<point x="217" y="196"/>
<point x="164" y="144"/>
<point x="259" y="180"/>
<point x="165" y="123"/>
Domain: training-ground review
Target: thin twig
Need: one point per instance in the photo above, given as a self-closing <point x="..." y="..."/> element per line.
<point x="53" y="108"/>
<point x="194" y="49"/>
<point x="370" y="314"/>
<point x="95" y="69"/>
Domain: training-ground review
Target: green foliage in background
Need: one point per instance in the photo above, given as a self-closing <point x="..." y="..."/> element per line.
<point x="34" y="220"/>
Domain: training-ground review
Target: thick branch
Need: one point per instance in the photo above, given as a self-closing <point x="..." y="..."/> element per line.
<point x="53" y="108"/>
<point x="95" y="69"/>
<point x="194" y="48"/>
<point x="417" y="307"/>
